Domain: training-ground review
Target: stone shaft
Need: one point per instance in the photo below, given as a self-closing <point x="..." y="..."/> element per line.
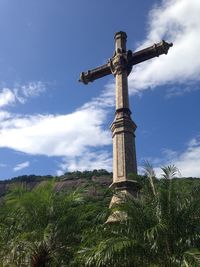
<point x="123" y="128"/>
<point x="122" y="100"/>
<point x="120" y="41"/>
<point x="120" y="71"/>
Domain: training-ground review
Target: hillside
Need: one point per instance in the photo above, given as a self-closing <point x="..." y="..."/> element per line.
<point x="91" y="180"/>
<point x="69" y="181"/>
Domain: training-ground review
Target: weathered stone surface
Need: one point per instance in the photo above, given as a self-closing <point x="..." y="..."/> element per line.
<point x="123" y="128"/>
<point x="124" y="155"/>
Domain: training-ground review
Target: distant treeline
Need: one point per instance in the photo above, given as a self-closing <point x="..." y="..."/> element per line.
<point x="87" y="174"/>
<point x="67" y="175"/>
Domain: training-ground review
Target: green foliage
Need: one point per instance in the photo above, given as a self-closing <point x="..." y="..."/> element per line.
<point x="161" y="228"/>
<point x="46" y="227"/>
<point x="27" y="179"/>
<point x="86" y="174"/>
<point x="43" y="227"/>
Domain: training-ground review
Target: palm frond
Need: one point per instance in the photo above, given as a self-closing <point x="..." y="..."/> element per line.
<point x="191" y="258"/>
<point x="170" y="172"/>
<point x="149" y="172"/>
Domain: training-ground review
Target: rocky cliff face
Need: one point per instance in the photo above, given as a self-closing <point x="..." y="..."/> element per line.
<point x="64" y="184"/>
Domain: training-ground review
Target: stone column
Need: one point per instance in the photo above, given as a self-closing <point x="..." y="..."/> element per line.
<point x="123" y="128"/>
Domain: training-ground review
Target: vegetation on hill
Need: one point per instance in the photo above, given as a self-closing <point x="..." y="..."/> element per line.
<point x="87" y="174"/>
<point x="67" y="175"/>
<point x="49" y="227"/>
<point x="27" y="179"/>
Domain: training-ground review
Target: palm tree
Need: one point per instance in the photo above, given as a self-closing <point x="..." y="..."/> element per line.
<point x="39" y="228"/>
<point x="162" y="228"/>
<point x="176" y="230"/>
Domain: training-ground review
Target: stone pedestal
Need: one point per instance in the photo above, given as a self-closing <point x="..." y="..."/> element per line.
<point x="124" y="155"/>
<point x="123" y="191"/>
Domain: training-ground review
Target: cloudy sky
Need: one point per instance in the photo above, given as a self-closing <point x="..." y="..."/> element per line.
<point x="51" y="124"/>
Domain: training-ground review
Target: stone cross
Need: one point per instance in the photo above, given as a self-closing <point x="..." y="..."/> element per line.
<point x="123" y="127"/>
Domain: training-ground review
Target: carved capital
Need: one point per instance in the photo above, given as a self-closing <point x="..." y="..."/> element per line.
<point x="120" y="62"/>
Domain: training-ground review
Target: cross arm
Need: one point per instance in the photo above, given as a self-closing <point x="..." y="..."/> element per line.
<point x="130" y="59"/>
<point x="94" y="74"/>
<point x="150" y="52"/>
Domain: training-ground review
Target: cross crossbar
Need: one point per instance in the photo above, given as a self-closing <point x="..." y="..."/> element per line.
<point x="132" y="59"/>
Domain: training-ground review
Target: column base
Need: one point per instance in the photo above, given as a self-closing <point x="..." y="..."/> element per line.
<point x="123" y="190"/>
<point x="132" y="186"/>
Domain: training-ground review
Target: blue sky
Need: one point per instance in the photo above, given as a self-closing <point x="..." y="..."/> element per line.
<point x="51" y="124"/>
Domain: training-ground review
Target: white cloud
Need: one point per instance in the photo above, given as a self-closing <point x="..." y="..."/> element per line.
<point x="20" y="93"/>
<point x="55" y="135"/>
<point x="177" y="91"/>
<point x="87" y="161"/>
<point x="188" y="162"/>
<point x="31" y="89"/>
<point x="7" y="97"/>
<point x="105" y="100"/>
<point x="21" y="166"/>
<point x="4" y="115"/>
<point x="71" y="136"/>
<point x="177" y="21"/>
